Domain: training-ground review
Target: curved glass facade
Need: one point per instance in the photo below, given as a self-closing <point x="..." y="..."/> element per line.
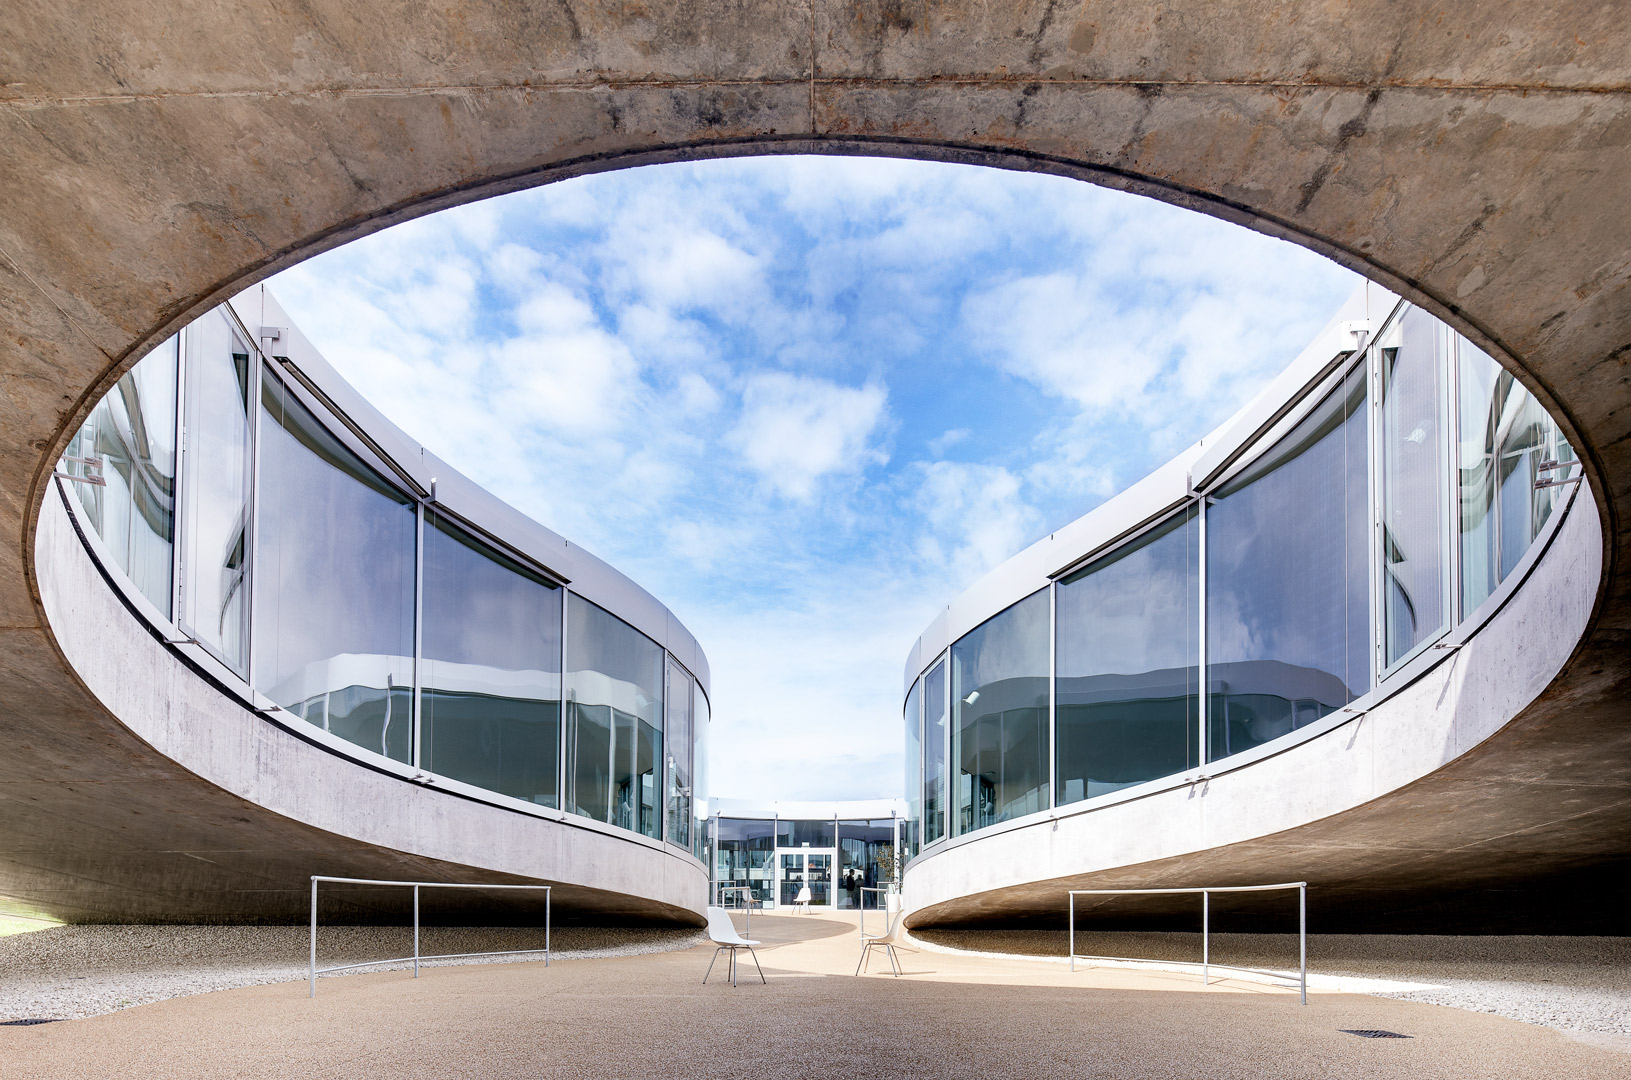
<point x="1387" y="501"/>
<point x="281" y="542"/>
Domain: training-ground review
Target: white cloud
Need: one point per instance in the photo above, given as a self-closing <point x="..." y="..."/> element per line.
<point x="976" y="517"/>
<point x="794" y="430"/>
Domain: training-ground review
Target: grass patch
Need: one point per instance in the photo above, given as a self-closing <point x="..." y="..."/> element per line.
<point x="17" y="924"/>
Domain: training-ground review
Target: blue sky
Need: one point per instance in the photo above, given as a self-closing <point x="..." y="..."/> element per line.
<point x="806" y="401"/>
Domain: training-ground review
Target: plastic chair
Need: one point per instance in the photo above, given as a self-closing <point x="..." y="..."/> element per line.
<point x="886" y="940"/>
<point x="722" y="932"/>
<point x="801" y="902"/>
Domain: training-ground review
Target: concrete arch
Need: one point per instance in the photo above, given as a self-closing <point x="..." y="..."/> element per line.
<point x="161" y="158"/>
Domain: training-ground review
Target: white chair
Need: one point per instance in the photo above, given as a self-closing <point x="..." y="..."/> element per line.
<point x="722" y="932"/>
<point x="801" y="902"/>
<point x="886" y="940"/>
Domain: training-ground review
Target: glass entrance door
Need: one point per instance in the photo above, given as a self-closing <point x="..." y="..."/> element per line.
<point x="797" y="869"/>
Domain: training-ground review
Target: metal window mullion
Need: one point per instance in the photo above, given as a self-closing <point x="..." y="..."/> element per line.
<point x="561" y="741"/>
<point x="251" y="544"/>
<point x="183" y="463"/>
<point x="1448" y="547"/>
<point x="416" y="708"/>
<point x="1376" y="547"/>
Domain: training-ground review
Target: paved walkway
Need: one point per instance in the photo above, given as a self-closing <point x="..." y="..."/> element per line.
<point x="648" y="1016"/>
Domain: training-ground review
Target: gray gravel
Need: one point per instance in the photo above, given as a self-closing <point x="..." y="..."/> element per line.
<point x="1580" y="984"/>
<point x="68" y="972"/>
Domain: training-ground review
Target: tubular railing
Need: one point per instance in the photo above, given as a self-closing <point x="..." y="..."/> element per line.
<point x="315" y="971"/>
<point x="747" y="903"/>
<point x="884" y="892"/>
<point x="1206" y="926"/>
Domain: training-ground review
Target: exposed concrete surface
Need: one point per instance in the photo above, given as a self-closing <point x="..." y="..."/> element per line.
<point x="1578" y="984"/>
<point x="70" y="972"/>
<point x="161" y="156"/>
<point x="951" y="1016"/>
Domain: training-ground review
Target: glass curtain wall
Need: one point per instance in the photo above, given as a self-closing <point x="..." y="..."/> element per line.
<point x="1414" y="556"/>
<point x="334" y="602"/>
<point x="1510" y="458"/>
<point x="914" y="770"/>
<point x="678" y="733"/>
<point x="614" y="719"/>
<point x="1000" y="674"/>
<point x="490" y="697"/>
<point x="699" y="781"/>
<point x="1288" y="579"/>
<point x="131" y="438"/>
<point x="936" y="720"/>
<point x="863" y="849"/>
<point x="217" y="489"/>
<point x="1127" y="654"/>
<point x="791" y="834"/>
<point x="744" y="854"/>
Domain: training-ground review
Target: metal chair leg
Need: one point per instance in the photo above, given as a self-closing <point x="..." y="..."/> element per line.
<point x="890" y="949"/>
<point x="756" y="964"/>
<point x="861" y="961"/>
<point x="711" y="963"/>
<point x="733" y="965"/>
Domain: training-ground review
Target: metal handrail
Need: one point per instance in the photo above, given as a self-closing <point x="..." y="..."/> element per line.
<point x="885" y="890"/>
<point x="314" y="970"/>
<point x="747" y="919"/>
<point x="1206" y="925"/>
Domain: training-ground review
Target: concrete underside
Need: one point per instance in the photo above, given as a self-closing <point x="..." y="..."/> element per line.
<point x="159" y="157"/>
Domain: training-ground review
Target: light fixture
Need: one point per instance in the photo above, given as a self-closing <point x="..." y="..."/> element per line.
<point x="972" y="697"/>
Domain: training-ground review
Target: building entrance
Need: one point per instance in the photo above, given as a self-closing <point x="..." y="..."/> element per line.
<point x="805" y="866"/>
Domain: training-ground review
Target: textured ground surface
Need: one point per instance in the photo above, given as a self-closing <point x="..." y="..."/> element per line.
<point x="648" y="1015"/>
<point x="1571" y="983"/>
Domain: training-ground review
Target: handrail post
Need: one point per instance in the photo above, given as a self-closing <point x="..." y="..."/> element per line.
<point x="1206" y="938"/>
<point x="313" y="969"/>
<point x="1072" y="940"/>
<point x="416" y="931"/>
<point x="1302" y="936"/>
<point x="548" y="897"/>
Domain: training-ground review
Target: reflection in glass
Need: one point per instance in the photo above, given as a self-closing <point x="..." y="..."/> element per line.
<point x="1127" y="664"/>
<point x="914" y="771"/>
<point x="803" y="870"/>
<point x="614" y="719"/>
<point x="678" y="732"/>
<point x="1287" y="580"/>
<point x="699" y="782"/>
<point x="490" y="703"/>
<point x="936" y="718"/>
<point x="1509" y="452"/>
<point x="335" y="570"/>
<point x="131" y="435"/>
<point x="215" y="587"/>
<point x="1413" y="517"/>
<point x="799" y="833"/>
<point x="742" y="857"/>
<point x="862" y="845"/>
<point x="1000" y="734"/>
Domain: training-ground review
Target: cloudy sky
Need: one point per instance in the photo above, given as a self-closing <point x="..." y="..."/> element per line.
<point x="806" y="401"/>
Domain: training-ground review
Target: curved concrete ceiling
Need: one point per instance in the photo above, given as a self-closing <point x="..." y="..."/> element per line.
<point x="161" y="157"/>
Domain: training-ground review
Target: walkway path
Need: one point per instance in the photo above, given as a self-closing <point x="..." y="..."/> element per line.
<point x="648" y="1016"/>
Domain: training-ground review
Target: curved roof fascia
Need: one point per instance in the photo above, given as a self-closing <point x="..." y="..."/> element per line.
<point x="1163" y="490"/>
<point x="447" y="488"/>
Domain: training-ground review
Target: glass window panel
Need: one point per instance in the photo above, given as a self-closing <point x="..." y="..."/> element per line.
<point x="334" y="607"/>
<point x="678" y="733"/>
<point x="1508" y="446"/>
<point x="864" y="849"/>
<point x="936" y="718"/>
<point x="1127" y="664"/>
<point x="914" y="768"/>
<point x="132" y="434"/>
<point x="699" y="780"/>
<point x="490" y="703"/>
<point x="818" y="834"/>
<point x="1413" y="515"/>
<point x="215" y="534"/>
<point x="614" y="719"/>
<point x="744" y="850"/>
<point x="1287" y="580"/>
<point x="1000" y="732"/>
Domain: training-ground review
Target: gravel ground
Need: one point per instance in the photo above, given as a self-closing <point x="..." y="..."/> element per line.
<point x="1579" y="984"/>
<point x="68" y="972"/>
